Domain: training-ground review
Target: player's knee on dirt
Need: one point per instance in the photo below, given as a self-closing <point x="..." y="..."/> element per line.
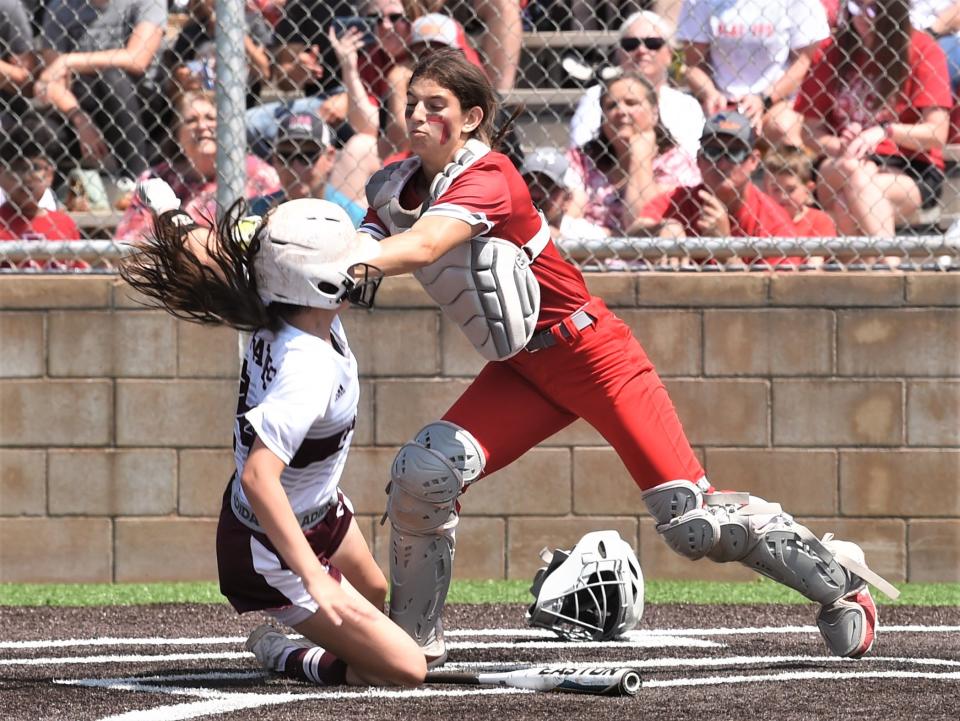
<point x="426" y="477"/>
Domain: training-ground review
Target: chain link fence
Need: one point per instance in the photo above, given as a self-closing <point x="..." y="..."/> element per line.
<point x="679" y="135"/>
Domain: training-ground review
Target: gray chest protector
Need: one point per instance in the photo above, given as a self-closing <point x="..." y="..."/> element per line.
<point x="486" y="286"/>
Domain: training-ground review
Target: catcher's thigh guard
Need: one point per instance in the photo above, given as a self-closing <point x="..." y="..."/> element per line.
<point x="426" y="477"/>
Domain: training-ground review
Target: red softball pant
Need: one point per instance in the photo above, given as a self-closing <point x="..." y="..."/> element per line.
<point x="600" y="374"/>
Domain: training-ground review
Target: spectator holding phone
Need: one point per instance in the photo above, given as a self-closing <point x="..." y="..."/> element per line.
<point x="192" y="55"/>
<point x="347" y="107"/>
<point x="751" y="57"/>
<point x="644" y="47"/>
<point x="726" y="203"/>
<point x="546" y="172"/>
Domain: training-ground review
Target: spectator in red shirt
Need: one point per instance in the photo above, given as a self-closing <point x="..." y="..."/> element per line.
<point x="876" y="107"/>
<point x="26" y="173"/>
<point x="726" y="203"/>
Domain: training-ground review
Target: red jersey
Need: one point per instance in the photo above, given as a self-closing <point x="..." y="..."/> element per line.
<point x="49" y="225"/>
<point x="814" y="223"/>
<point x="491" y="193"/>
<point x="759" y="215"/>
<point x="837" y="102"/>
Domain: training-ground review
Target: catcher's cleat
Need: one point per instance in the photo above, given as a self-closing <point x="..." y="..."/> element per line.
<point x="849" y="625"/>
<point x="272" y="647"/>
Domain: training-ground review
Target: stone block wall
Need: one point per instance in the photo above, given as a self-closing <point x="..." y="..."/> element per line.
<point x="835" y="394"/>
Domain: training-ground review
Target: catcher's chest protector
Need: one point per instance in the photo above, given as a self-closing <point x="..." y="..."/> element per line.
<point x="485" y="286"/>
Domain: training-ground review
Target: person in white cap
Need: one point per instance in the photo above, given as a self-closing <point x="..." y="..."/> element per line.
<point x="287" y="541"/>
<point x="547" y="173"/>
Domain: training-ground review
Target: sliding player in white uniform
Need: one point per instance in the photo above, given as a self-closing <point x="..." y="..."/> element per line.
<point x="287" y="542"/>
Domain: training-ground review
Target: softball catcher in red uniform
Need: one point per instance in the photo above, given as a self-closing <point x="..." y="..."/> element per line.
<point x="459" y="217"/>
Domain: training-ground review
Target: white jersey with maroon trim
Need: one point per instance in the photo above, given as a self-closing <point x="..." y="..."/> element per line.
<point x="299" y="395"/>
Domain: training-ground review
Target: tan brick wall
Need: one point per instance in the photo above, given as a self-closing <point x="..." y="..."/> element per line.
<point x="836" y="395"/>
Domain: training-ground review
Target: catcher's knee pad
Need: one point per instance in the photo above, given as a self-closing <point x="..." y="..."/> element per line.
<point x="686" y="526"/>
<point x="426" y="477"/>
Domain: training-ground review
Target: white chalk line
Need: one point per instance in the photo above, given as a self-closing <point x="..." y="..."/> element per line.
<point x="707" y="662"/>
<point x="800" y="676"/>
<point x="113" y="658"/>
<point x="212" y="701"/>
<point x="531" y="633"/>
<point x="219" y="702"/>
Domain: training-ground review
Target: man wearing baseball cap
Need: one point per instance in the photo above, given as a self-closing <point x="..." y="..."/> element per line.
<point x="726" y="203"/>
<point x="304" y="157"/>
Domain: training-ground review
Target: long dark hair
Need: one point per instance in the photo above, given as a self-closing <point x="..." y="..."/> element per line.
<point x="600" y="149"/>
<point x="220" y="291"/>
<point x="450" y="69"/>
<point x="891" y="49"/>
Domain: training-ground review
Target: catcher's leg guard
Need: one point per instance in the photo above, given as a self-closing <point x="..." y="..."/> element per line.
<point x="740" y="527"/>
<point x="426" y="478"/>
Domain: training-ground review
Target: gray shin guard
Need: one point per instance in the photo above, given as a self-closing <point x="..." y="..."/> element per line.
<point x="426" y="478"/>
<point x="738" y="527"/>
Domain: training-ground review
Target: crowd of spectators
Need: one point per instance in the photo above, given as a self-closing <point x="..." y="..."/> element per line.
<point x="723" y="118"/>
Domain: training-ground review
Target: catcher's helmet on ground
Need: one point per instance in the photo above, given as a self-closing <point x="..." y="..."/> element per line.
<point x="594" y="591"/>
<point x="308" y="248"/>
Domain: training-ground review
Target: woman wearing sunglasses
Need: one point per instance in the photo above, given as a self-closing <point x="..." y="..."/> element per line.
<point x="644" y="48"/>
<point x="876" y="110"/>
<point x="752" y="56"/>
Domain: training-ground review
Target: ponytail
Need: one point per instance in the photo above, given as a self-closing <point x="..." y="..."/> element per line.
<point x="220" y="289"/>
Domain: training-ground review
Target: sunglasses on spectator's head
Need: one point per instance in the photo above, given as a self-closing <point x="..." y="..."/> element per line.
<point x="631" y="44"/>
<point x="394" y="18"/>
<point x="717" y="152"/>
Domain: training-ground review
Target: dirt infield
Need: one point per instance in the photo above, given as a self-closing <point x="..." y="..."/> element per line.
<point x="159" y="663"/>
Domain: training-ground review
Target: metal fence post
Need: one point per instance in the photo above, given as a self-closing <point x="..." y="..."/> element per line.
<point x="231" y="89"/>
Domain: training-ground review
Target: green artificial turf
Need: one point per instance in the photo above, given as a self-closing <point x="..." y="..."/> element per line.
<point x="697" y="592"/>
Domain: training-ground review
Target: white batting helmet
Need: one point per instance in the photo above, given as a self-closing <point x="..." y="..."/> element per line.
<point x="594" y="591"/>
<point x="307" y="249"/>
